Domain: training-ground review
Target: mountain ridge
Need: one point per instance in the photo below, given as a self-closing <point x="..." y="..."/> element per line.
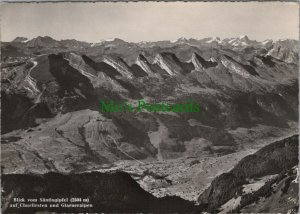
<point x="52" y="94"/>
<point x="242" y="38"/>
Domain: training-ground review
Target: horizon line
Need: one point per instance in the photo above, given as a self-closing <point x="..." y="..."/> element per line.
<point x="167" y="40"/>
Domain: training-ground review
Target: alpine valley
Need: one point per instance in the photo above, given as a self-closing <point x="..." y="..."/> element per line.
<point x="238" y="154"/>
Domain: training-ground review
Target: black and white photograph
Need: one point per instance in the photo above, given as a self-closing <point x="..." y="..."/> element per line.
<point x="149" y="107"/>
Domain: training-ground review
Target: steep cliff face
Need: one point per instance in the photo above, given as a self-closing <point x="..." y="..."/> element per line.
<point x="172" y="65"/>
<point x="101" y="67"/>
<point x="77" y="62"/>
<point x="144" y="64"/>
<point x="109" y="193"/>
<point x="68" y="77"/>
<point x="159" y="60"/>
<point x="119" y="65"/>
<point x="200" y="64"/>
<point x="273" y="159"/>
<point x="285" y="50"/>
<point x="152" y="69"/>
<point x="233" y="66"/>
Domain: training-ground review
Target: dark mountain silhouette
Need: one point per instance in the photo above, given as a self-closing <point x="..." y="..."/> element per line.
<point x="109" y="193"/>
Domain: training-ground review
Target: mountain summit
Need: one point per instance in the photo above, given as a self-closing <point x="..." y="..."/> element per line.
<point x="43" y="41"/>
<point x="20" y="39"/>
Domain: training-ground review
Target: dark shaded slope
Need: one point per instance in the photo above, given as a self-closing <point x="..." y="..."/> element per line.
<point x="137" y="71"/>
<point x="116" y="192"/>
<point x="267" y="60"/>
<point x="204" y="63"/>
<point x="251" y="70"/>
<point x="8" y="50"/>
<point x="272" y="159"/>
<point x="290" y="93"/>
<point x="101" y="67"/>
<point x="41" y="72"/>
<point x="133" y="91"/>
<point x="113" y="73"/>
<point x="18" y="111"/>
<point x="133" y="132"/>
<point x="248" y="109"/>
<point x="153" y="67"/>
<point x="172" y="58"/>
<point x="63" y="88"/>
<point x="67" y="76"/>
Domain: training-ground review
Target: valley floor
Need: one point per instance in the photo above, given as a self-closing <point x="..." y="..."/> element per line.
<point x="189" y="176"/>
<point x="55" y="146"/>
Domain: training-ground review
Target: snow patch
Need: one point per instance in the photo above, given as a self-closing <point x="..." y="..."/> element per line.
<point x="296" y="180"/>
<point x="215" y="39"/>
<point x="231" y="204"/>
<point x="243" y="37"/>
<point x="249" y="188"/>
<point x="256" y="184"/>
<point x="102" y="42"/>
<point x="88" y="75"/>
<point x="266" y="42"/>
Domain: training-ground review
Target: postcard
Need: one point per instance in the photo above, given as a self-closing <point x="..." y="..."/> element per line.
<point x="149" y="107"/>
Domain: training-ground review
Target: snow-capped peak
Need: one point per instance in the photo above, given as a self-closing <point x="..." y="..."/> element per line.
<point x="215" y="39"/>
<point x="21" y="39"/>
<point x="244" y="37"/>
<point x="240" y="41"/>
<point x="103" y="41"/>
<point x="267" y="41"/>
<point x="181" y="39"/>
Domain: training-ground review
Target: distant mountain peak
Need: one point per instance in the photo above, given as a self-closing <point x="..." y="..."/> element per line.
<point x="242" y="40"/>
<point x="268" y="41"/>
<point x="215" y="40"/>
<point x="20" y="39"/>
<point x="244" y="37"/>
<point x="43" y="41"/>
<point x="45" y="38"/>
<point x="110" y="40"/>
<point x="180" y="40"/>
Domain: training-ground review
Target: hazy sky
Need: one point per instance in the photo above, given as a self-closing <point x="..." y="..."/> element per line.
<point x="150" y="21"/>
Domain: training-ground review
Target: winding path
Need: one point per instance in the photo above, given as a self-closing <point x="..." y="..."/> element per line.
<point x="30" y="80"/>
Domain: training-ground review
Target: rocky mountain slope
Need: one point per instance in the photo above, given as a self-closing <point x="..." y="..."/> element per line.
<point x="52" y="118"/>
<point x="271" y="188"/>
<point x="234" y="87"/>
<point x="269" y="174"/>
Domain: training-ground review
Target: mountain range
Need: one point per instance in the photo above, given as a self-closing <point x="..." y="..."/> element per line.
<point x="51" y="93"/>
<point x="273" y="47"/>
